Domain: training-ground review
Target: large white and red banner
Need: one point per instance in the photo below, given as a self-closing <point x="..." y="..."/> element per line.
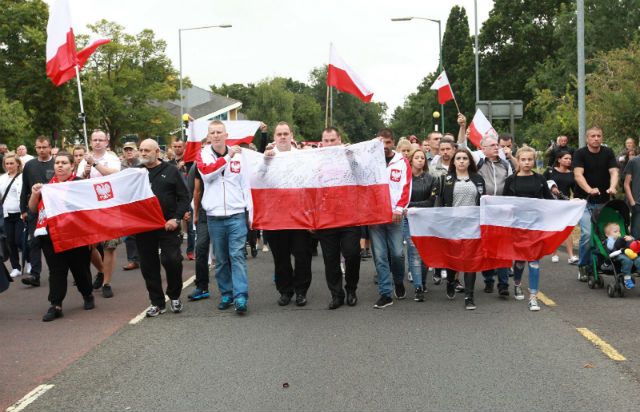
<point x="341" y="76"/>
<point x="238" y="131"/>
<point x="449" y="237"/>
<point x="62" y="57"/>
<point x="502" y="229"/>
<point x="321" y="188"/>
<point x="520" y="228"/>
<point x="84" y="212"/>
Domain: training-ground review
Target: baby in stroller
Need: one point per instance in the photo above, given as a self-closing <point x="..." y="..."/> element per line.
<point x="624" y="249"/>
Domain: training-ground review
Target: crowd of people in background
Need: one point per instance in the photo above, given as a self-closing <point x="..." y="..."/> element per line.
<point x="440" y="171"/>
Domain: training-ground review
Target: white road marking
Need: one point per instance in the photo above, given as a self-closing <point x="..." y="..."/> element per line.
<point x="143" y="314"/>
<point x="29" y="398"/>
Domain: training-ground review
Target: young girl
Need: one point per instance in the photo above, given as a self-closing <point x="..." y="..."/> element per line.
<point x="527" y="183"/>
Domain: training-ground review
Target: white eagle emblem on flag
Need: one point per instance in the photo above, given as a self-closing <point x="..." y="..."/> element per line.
<point x="395" y="175"/>
<point x="103" y="191"/>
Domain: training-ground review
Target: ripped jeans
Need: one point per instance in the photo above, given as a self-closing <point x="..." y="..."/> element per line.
<point x="534" y="274"/>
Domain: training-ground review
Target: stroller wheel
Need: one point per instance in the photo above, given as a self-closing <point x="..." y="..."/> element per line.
<point x="591" y="282"/>
<point x="610" y="291"/>
<point x="620" y="287"/>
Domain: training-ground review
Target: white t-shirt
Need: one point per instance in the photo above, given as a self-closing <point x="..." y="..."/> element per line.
<point x="12" y="201"/>
<point x="24" y="159"/>
<point x="109" y="160"/>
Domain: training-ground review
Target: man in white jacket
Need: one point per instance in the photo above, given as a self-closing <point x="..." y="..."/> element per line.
<point x="386" y="239"/>
<point x="226" y="200"/>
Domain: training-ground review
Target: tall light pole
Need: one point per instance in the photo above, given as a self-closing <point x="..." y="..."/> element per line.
<point x="581" y="85"/>
<point x="475" y="13"/>
<point x="220" y="26"/>
<point x="439" y="51"/>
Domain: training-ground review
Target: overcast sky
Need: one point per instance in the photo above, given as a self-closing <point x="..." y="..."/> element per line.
<point x="290" y="37"/>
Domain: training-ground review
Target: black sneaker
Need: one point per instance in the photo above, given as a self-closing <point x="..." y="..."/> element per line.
<point x="383" y="302"/>
<point x="301" y="299"/>
<point x="459" y="287"/>
<point x="469" y="304"/>
<point x="106" y="291"/>
<point x="31" y="281"/>
<point x="503" y="291"/>
<point x="97" y="284"/>
<point x="419" y="294"/>
<point x="488" y="288"/>
<point x="89" y="302"/>
<point x="451" y="290"/>
<point x="436" y="279"/>
<point x="582" y="273"/>
<point x="53" y="313"/>
<point x="254" y="251"/>
<point x="284" y="300"/>
<point x="400" y="291"/>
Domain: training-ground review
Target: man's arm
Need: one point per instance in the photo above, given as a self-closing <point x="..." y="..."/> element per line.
<point x="462" y="132"/>
<point x="197" y="198"/>
<point x="182" y="194"/>
<point x="25" y="194"/>
<point x="614" y="174"/>
<point x="578" y="173"/>
<point x="627" y="190"/>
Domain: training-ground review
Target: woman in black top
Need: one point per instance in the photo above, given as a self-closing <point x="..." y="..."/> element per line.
<point x="462" y="186"/>
<point x="527" y="183"/>
<point x="77" y="259"/>
<point x="562" y="174"/>
<point x="424" y="189"/>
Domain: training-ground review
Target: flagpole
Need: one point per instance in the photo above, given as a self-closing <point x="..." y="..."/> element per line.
<point x="326" y="109"/>
<point x="82" y="114"/>
<point x="456" y="102"/>
<point x="331" y="107"/>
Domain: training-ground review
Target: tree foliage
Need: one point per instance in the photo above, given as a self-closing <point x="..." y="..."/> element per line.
<point x="15" y="124"/>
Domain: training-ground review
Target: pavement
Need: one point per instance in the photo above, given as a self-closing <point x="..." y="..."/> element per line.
<point x="432" y="355"/>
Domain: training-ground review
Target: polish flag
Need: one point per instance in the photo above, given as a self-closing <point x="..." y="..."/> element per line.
<point x="88" y="211"/>
<point x="479" y="128"/>
<point x="62" y="57"/>
<point x="319" y="189"/>
<point x="519" y="228"/>
<point x="443" y="87"/>
<point x="449" y="237"/>
<point x="343" y="78"/>
<point x="238" y="131"/>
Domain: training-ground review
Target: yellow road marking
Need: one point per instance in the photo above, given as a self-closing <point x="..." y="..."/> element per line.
<point x="545" y="299"/>
<point x="602" y="345"/>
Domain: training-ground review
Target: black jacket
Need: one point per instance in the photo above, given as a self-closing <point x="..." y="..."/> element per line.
<point x="169" y="187"/>
<point x="424" y="190"/>
<point x="447" y="183"/>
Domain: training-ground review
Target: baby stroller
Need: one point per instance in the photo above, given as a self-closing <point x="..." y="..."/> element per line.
<point x="615" y="211"/>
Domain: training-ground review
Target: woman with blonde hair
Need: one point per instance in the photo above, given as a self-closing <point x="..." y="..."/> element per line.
<point x="10" y="190"/>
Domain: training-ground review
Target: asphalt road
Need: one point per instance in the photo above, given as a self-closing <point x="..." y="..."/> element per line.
<point x="432" y="355"/>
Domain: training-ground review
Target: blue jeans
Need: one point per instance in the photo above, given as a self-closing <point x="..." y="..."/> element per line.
<point x="386" y="245"/>
<point x="229" y="236"/>
<point x="534" y="274"/>
<point x="585" y="234"/>
<point x="416" y="267"/>
<point x="503" y="277"/>
<point x="627" y="264"/>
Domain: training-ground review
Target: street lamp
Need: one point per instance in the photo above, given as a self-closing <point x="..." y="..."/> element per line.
<point x="439" y="49"/>
<point x="219" y="26"/>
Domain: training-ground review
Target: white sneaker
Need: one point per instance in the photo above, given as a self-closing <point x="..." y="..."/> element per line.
<point x="409" y="277"/>
<point x="27" y="268"/>
<point x="533" y="304"/>
<point x="573" y="260"/>
<point x="517" y="292"/>
<point x="265" y="248"/>
<point x="15" y="273"/>
<point x="555" y="259"/>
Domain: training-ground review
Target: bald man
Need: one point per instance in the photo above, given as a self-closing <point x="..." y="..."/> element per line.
<point x="169" y="187"/>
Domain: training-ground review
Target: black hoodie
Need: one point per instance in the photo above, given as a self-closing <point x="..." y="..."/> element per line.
<point x="169" y="187"/>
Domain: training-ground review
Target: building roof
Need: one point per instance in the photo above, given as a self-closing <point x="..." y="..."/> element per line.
<point x="199" y="102"/>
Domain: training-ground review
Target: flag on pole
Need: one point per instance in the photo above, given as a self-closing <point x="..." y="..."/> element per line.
<point x="62" y="56"/>
<point x="85" y="212"/>
<point x="321" y="188"/>
<point x="238" y="131"/>
<point x="443" y="87"/>
<point x="479" y="128"/>
<point x="518" y="228"/>
<point x="343" y="78"/>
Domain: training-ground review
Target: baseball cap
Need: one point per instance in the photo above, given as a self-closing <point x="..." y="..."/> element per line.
<point x="130" y="145"/>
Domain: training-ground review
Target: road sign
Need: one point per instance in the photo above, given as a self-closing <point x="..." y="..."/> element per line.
<point x="502" y="109"/>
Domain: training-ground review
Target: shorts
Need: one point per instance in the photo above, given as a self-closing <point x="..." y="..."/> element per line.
<point x="111" y="244"/>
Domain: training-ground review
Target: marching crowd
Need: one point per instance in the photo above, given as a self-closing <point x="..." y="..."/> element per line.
<point x="208" y="201"/>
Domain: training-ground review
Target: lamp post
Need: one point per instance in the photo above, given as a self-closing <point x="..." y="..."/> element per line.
<point x="439" y="50"/>
<point x="220" y="26"/>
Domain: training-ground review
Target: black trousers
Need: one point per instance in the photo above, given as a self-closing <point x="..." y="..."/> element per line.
<point x="77" y="260"/>
<point x="333" y="242"/>
<point x="284" y="243"/>
<point x="13" y="229"/>
<point x="171" y="259"/>
<point x="469" y="281"/>
<point x="203" y="246"/>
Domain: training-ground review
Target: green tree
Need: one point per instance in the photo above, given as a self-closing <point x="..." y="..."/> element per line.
<point x="272" y="102"/>
<point x="15" y="124"/>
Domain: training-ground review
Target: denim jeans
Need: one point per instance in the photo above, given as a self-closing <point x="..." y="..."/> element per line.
<point x="627" y="264"/>
<point x="503" y="277"/>
<point x="386" y="245"/>
<point x="416" y="267"/>
<point x="534" y="274"/>
<point x="585" y="234"/>
<point x="229" y="236"/>
<point x="132" y="249"/>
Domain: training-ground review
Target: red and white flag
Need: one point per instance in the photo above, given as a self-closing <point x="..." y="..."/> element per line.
<point x="443" y="87"/>
<point x="84" y="212"/>
<point x="449" y="237"/>
<point x="343" y="78"/>
<point x="518" y="228"/>
<point x="238" y="131"/>
<point x="319" y="189"/>
<point x="479" y="128"/>
<point x="62" y="56"/>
